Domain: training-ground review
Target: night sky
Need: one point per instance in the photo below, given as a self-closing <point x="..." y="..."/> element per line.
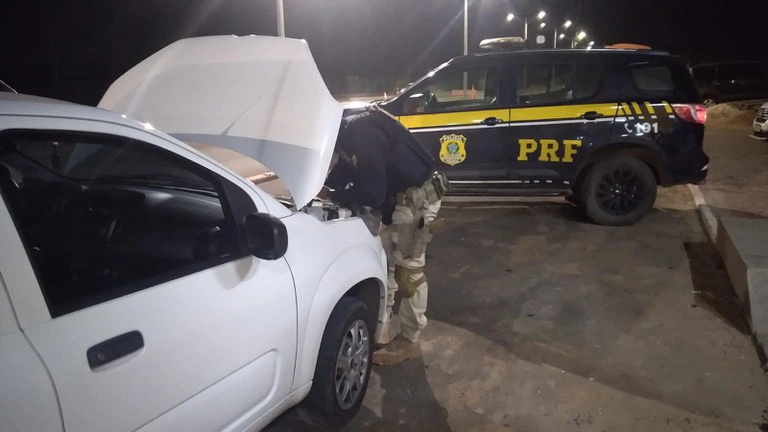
<point x="73" y="50"/>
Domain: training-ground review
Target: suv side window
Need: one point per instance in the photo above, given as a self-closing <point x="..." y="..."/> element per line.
<point x="103" y="216"/>
<point x="548" y="84"/>
<point x="468" y="89"/>
<point x="653" y="78"/>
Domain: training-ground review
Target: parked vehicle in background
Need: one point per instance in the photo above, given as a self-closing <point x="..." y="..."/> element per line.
<point x="760" y="123"/>
<point x="731" y="81"/>
<point x="145" y="287"/>
<point x="603" y="125"/>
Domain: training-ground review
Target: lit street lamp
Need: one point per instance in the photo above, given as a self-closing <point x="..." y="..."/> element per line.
<point x="555" y="37"/>
<point x="579" y="37"/>
<point x="539" y="16"/>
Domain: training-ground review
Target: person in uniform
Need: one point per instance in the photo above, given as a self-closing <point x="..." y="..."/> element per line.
<point x="381" y="166"/>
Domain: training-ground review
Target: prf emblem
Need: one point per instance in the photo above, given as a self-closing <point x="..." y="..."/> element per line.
<point x="452" y="150"/>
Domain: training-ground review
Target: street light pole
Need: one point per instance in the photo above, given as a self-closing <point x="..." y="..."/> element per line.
<point x="466" y="27"/>
<point x="525" y="31"/>
<point x="280" y="19"/>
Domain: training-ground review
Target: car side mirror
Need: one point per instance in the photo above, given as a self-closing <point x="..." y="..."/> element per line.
<point x="266" y="235"/>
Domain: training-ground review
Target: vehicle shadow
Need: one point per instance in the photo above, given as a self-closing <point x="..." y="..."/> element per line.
<point x="399" y="398"/>
<point x="712" y="286"/>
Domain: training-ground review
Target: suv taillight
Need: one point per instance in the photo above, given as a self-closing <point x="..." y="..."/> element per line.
<point x="693" y="113"/>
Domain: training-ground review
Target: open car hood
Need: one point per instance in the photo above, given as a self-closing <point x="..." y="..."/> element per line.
<point x="260" y="96"/>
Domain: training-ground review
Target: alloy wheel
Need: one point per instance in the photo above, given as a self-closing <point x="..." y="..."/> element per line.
<point x="620" y="192"/>
<point x="352" y="364"/>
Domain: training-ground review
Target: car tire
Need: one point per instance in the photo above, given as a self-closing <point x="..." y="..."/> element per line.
<point x="349" y="330"/>
<point x="618" y="191"/>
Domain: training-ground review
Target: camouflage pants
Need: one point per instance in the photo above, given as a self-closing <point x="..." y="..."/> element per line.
<point x="405" y="260"/>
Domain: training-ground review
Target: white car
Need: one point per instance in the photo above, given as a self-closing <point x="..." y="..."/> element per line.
<point x="147" y="287"/>
<point x="760" y="123"/>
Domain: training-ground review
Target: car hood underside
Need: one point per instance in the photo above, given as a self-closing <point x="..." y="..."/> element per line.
<point x="260" y="96"/>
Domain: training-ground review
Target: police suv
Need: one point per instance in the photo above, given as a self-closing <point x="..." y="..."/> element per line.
<point x="603" y="127"/>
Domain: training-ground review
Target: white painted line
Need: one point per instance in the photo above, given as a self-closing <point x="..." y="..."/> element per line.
<point x="708" y="218"/>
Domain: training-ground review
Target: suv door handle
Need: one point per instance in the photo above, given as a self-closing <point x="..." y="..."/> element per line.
<point x="114" y="348"/>
<point x="591" y="115"/>
<point x="492" y="121"/>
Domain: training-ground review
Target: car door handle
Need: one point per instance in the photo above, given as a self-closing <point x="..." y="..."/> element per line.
<point x="492" y="121"/>
<point x="591" y="115"/>
<point x="114" y="348"/>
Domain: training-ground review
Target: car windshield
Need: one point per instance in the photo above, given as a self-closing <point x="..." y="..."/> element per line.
<point x="417" y="82"/>
<point x="85" y="161"/>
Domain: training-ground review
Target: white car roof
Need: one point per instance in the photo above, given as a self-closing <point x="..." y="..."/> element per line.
<point x="28" y="105"/>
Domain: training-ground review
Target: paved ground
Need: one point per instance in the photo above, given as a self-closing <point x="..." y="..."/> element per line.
<point x="737" y="184"/>
<point x="542" y="322"/>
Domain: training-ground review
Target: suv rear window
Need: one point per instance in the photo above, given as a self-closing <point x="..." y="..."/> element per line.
<point x="555" y="83"/>
<point x="653" y="78"/>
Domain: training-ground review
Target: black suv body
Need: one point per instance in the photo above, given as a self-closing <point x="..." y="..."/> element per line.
<point x="732" y="81"/>
<point x="605" y="126"/>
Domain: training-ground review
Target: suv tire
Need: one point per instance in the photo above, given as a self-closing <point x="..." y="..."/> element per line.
<point x="618" y="191"/>
<point x="709" y="100"/>
<point x="344" y="360"/>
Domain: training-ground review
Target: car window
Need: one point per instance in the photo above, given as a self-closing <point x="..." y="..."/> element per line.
<point x="475" y="88"/>
<point x="102" y="216"/>
<point x="739" y="71"/>
<point x="653" y="78"/>
<point x="704" y="73"/>
<point x="545" y="84"/>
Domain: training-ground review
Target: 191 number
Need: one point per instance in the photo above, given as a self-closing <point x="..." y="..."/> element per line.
<point x="643" y="128"/>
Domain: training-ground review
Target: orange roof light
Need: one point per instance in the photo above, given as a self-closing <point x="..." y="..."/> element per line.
<point x="628" y="46"/>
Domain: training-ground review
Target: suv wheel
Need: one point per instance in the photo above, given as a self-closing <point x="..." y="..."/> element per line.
<point x="618" y="191"/>
<point x="343" y="364"/>
<point x="709" y="101"/>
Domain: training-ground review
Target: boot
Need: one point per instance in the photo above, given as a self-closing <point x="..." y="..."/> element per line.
<point x="398" y="351"/>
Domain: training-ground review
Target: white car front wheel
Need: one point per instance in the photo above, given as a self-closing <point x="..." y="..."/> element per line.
<point x="343" y="364"/>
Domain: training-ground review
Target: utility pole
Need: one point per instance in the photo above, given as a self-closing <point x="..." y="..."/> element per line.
<point x="525" y="31"/>
<point x="466" y="26"/>
<point x="280" y="19"/>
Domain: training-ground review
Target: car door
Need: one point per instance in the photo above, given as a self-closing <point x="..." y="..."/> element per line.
<point x="562" y="107"/>
<point x="138" y="292"/>
<point x="460" y="116"/>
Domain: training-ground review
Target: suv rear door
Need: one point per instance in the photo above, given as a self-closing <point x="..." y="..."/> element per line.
<point x="649" y="89"/>
<point x="460" y="116"/>
<point x="563" y="106"/>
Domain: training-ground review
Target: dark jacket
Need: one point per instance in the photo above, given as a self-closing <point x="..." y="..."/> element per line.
<point x="378" y="158"/>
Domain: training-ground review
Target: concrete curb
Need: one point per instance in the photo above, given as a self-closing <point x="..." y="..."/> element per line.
<point x="708" y="219"/>
<point x="743" y="275"/>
